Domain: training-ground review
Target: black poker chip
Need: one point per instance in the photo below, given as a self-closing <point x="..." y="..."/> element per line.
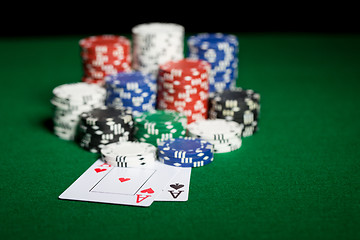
<point x="239" y="105"/>
<point x="104" y="125"/>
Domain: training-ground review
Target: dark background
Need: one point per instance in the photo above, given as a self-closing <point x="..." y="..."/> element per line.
<point x="213" y="16"/>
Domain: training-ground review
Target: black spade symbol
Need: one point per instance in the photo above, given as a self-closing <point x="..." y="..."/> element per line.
<point x="176" y="186"/>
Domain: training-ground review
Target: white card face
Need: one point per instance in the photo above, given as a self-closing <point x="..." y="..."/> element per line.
<point x="141" y="189"/>
<point x="123" y="180"/>
<point x="177" y="190"/>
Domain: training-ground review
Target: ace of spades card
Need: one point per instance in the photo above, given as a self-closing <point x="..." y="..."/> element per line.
<point x="178" y="188"/>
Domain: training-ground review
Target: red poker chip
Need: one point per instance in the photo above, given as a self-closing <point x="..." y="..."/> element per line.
<point x="180" y="83"/>
<point x="107" y="67"/>
<point x="188" y="99"/>
<point x="187" y="80"/>
<point x="104" y="55"/>
<point x="178" y="105"/>
<point x="171" y="87"/>
<point x="183" y="86"/>
<point x="186" y="111"/>
<point x="93" y="80"/>
<point x="198" y="106"/>
<point x="116" y="53"/>
<point x="185" y="67"/>
<point x="103" y="40"/>
<point x="185" y="89"/>
<point x="168" y="81"/>
<point x="102" y="72"/>
<point x="94" y="74"/>
<point x="103" y="58"/>
<point x="182" y="74"/>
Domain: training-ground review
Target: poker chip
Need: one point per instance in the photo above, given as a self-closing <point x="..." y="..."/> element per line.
<point x="133" y="90"/>
<point x="183" y="86"/>
<point x="104" y="55"/>
<point x="104" y="125"/>
<point x="232" y="144"/>
<point x="159" y="125"/>
<point x="239" y="105"/>
<point x="221" y="52"/>
<point x="69" y="101"/>
<point x="184" y="147"/>
<point x="129" y="154"/>
<point x="215" y="129"/>
<point x="185" y="152"/>
<point x="179" y="111"/>
<point x="156" y="43"/>
<point x="224" y="135"/>
<point x="184" y="163"/>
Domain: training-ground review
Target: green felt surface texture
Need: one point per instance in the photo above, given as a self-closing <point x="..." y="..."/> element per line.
<point x="296" y="178"/>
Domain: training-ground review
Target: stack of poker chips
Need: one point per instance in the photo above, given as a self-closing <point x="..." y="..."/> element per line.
<point x="221" y="51"/>
<point x="129" y="154"/>
<point x="159" y="125"/>
<point x="239" y="105"/>
<point x="185" y="152"/>
<point x="104" y="55"/>
<point x="224" y="135"/>
<point x="69" y="101"/>
<point x="156" y="43"/>
<point x="183" y="86"/>
<point x="104" y="125"/>
<point x="133" y="90"/>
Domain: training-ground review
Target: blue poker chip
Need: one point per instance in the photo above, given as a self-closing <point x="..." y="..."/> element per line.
<point x="200" y="157"/>
<point x="187" y="164"/>
<point x="130" y="80"/>
<point x="212" y="40"/>
<point x="132" y="90"/>
<point x="130" y="100"/>
<point x="184" y="147"/>
<point x="131" y="94"/>
<point x="220" y="51"/>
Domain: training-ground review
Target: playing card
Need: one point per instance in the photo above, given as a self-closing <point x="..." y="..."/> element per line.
<point x="127" y="186"/>
<point x="123" y="180"/>
<point x="177" y="190"/>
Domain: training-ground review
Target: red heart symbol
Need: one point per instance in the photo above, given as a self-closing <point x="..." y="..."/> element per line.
<point x="100" y="169"/>
<point x="124" y="179"/>
<point x="149" y="190"/>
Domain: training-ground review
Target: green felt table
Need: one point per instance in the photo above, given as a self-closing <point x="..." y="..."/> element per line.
<point x="298" y="177"/>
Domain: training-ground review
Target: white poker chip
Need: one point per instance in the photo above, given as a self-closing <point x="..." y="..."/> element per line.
<point x="134" y="164"/>
<point x="80" y="92"/>
<point x="156" y="43"/>
<point x="136" y="160"/>
<point x="225" y="142"/>
<point x="232" y="145"/>
<point x="158" y="28"/>
<point x="128" y="154"/>
<point x="228" y="148"/>
<point x="69" y="101"/>
<point x="215" y="129"/>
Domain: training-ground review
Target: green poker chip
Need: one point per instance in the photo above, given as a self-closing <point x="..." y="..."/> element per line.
<point x="161" y="119"/>
<point x="159" y="125"/>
